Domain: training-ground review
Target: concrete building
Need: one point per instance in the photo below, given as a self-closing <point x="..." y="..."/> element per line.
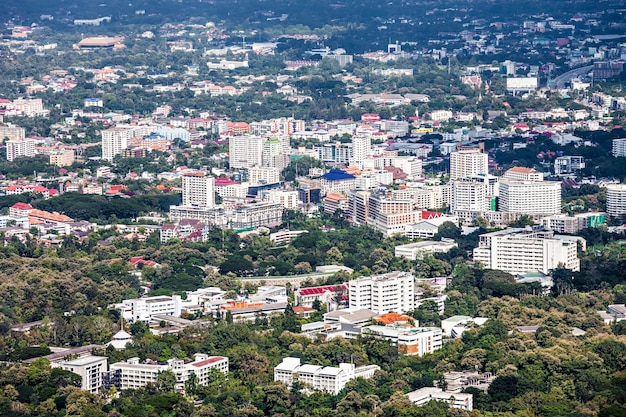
<point x="133" y="374"/>
<point x="616" y="200"/>
<point x="566" y="224"/>
<point x="619" y="148"/>
<point x="20" y="148"/>
<point x="338" y="181"/>
<point x="263" y="175"/>
<point x="518" y="251"/>
<point x="12" y="132"/>
<point x="417" y="250"/>
<point x="289" y="199"/>
<point x="467" y="163"/>
<point x="568" y="164"/>
<point x="361" y="148"/>
<point x="198" y="190"/>
<point x="245" y="151"/>
<point x="383" y="293"/>
<point x="523" y="174"/>
<point x="144" y="309"/>
<point x="409" y="340"/>
<point x="327" y="379"/>
<point x="62" y="158"/>
<point x="91" y="370"/>
<point x="454" y="399"/>
<point x="358" y="206"/>
<point x="530" y="197"/>
<point x="114" y="140"/>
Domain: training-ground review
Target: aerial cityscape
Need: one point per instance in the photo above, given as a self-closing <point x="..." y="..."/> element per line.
<point x="336" y="208"/>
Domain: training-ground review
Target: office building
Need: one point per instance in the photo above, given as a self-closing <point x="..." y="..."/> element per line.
<point x="338" y="181"/>
<point x="327" y="379"/>
<point x="20" y="148"/>
<point x="468" y="162"/>
<point x="114" y="141"/>
<point x="198" y="190"/>
<point x="145" y="309"/>
<point x="134" y="374"/>
<point x="383" y="293"/>
<point x="245" y="151"/>
<point x="530" y="197"/>
<point x="408" y="340"/>
<point x="518" y="251"/>
<point x="91" y="370"/>
<point x="616" y="200"/>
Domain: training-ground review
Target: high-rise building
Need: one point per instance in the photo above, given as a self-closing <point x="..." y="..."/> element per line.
<point x="114" y="140"/>
<point x="468" y="162"/>
<point x="198" y="190"/>
<point x="361" y="148"/>
<point x="530" y="197"/>
<point x="383" y="293"/>
<point x="245" y="151"/>
<point x="619" y="148"/>
<point x="616" y="200"/>
<point x="12" y="132"/>
<point x="469" y="196"/>
<point x="20" y="147"/>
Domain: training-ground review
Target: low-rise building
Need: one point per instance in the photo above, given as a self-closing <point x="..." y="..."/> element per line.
<point x="424" y="395"/>
<point x="91" y="370"/>
<point x="417" y="250"/>
<point x="327" y="379"/>
<point x="408" y="339"/>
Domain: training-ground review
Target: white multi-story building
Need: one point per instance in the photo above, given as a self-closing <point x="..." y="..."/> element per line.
<point x="469" y="196"/>
<point x="289" y="199"/>
<point x="12" y="132"/>
<point x="198" y="190"/>
<point x="327" y="379"/>
<point x="408" y="340"/>
<point x="568" y="164"/>
<point x="91" y="370"/>
<point x="518" y="251"/>
<point x="530" y="197"/>
<point x="263" y="175"/>
<point x="20" y="147"/>
<point x="361" y="148"/>
<point x="383" y="293"/>
<point x="133" y="374"/>
<point x="616" y="200"/>
<point x="245" y="151"/>
<point x="453" y="399"/>
<point x="336" y="181"/>
<point x="619" y="148"/>
<point x="114" y="140"/>
<point x="144" y="309"/>
<point x="467" y="163"/>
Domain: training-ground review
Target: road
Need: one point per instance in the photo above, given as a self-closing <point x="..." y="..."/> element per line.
<point x="566" y="77"/>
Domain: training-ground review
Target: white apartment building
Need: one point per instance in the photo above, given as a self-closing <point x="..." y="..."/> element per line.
<point x="409" y="340"/>
<point x="383" y="293"/>
<point x="289" y="199"/>
<point x="144" y="309"/>
<point x="454" y="399"/>
<point x="198" y="190"/>
<point x="90" y="369"/>
<point x="469" y="196"/>
<point x="133" y="374"/>
<point x="12" y="132"/>
<point x="616" y="200"/>
<point x="327" y="379"/>
<point x="518" y="251"/>
<point x="468" y="162"/>
<point x="114" y="140"/>
<point x="530" y="197"/>
<point x="440" y="115"/>
<point x="263" y="175"/>
<point x="20" y="147"/>
<point x="619" y="148"/>
<point x="245" y="151"/>
<point x="361" y="148"/>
